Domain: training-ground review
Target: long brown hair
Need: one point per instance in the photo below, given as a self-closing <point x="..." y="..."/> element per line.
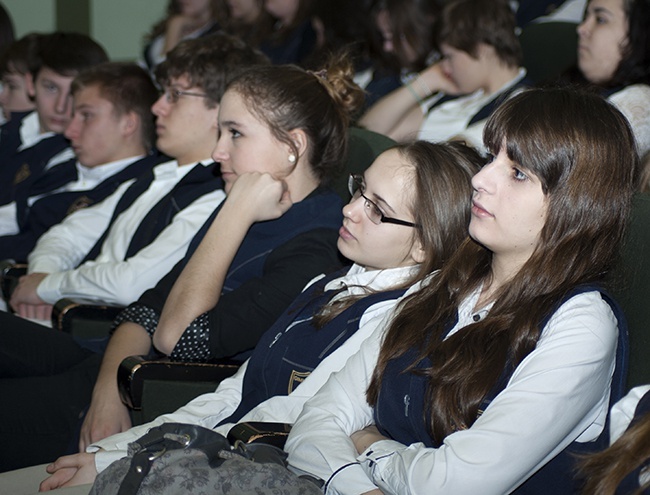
<point x="604" y="471"/>
<point x="441" y="180"/>
<point x="582" y="150"/>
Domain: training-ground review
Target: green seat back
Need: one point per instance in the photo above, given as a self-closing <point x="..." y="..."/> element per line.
<point x="630" y="285"/>
<point x="549" y="48"/>
<point x="363" y="147"/>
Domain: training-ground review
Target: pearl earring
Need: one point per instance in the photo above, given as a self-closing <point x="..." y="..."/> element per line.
<point x="292" y="158"/>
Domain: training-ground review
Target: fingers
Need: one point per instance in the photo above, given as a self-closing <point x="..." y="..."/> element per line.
<point x="64" y="461"/>
<point x="34" y="311"/>
<point x="59" y="478"/>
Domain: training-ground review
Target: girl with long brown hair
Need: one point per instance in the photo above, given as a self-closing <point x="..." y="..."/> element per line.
<point x="489" y="376"/>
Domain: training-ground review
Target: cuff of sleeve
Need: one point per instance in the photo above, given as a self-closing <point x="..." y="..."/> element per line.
<point x="379" y="450"/>
<point x="48" y="289"/>
<point x="374" y="459"/>
<point x="349" y="478"/>
<point x="104" y="458"/>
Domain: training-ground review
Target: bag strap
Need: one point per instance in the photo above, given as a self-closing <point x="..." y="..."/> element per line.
<point x="170" y="436"/>
<point x="139" y="468"/>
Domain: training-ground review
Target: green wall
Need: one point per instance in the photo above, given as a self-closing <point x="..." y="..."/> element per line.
<point x="119" y="25"/>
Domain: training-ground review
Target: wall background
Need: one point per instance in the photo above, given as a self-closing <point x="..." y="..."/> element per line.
<point x="118" y="25"/>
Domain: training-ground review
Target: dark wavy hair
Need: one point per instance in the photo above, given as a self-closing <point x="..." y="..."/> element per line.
<point x="66" y="53"/>
<point x="210" y="63"/>
<point x="634" y="66"/>
<point x="128" y="87"/>
<point x="466" y="23"/>
<point x="415" y="23"/>
<point x="321" y="104"/>
<point x="582" y="150"/>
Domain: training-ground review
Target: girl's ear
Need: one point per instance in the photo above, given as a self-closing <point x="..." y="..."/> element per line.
<point x="417" y="252"/>
<point x="300" y="141"/>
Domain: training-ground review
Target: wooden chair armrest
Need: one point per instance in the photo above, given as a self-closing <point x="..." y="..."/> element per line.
<point x="260" y="432"/>
<point x="156" y="386"/>
<point x="83" y="318"/>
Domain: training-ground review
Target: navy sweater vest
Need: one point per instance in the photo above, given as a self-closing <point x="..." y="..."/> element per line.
<point x="290" y="350"/>
<point x="199" y="181"/>
<point x="22" y="169"/>
<point x="321" y="209"/>
<point x="50" y="210"/>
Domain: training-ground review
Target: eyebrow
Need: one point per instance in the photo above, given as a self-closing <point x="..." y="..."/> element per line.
<point x="51" y="81"/>
<point x="378" y="199"/>
<point x="230" y="123"/>
<point x="602" y="10"/>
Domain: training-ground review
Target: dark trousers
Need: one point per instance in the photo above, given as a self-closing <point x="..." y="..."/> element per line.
<point x="46" y="381"/>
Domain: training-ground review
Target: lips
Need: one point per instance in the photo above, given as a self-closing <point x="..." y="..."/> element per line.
<point x="226" y="175"/>
<point x="345" y="234"/>
<point x="479" y="210"/>
<point x="58" y="123"/>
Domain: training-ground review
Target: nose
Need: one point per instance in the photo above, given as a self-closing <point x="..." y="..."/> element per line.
<point x="583" y="28"/>
<point x="160" y="106"/>
<point x="482" y="181"/>
<point x="63" y="103"/>
<point x="219" y="153"/>
<point x="72" y="131"/>
<point x="354" y="208"/>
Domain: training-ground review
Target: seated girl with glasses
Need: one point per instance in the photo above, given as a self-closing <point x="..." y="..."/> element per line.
<point x="488" y="379"/>
<point x="427" y="186"/>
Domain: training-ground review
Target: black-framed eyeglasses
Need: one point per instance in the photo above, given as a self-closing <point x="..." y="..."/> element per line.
<point x="356" y="186"/>
<point x="172" y="95"/>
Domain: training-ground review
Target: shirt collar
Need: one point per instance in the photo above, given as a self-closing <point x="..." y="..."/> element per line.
<point x="101" y="172"/>
<point x="172" y="169"/>
<point x="30" y="132"/>
<point x="358" y="279"/>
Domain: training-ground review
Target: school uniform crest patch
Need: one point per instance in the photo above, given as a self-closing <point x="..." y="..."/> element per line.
<point x="23" y="173"/>
<point x="79" y="203"/>
<point x="296" y="378"/>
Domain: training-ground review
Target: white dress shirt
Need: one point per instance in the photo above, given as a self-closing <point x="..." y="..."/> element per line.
<point x="558" y="394"/>
<point x="110" y="278"/>
<point x="451" y="119"/>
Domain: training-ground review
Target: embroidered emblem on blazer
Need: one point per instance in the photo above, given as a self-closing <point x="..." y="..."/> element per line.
<point x="23" y="173"/>
<point x="296" y="378"/>
<point x="78" y="204"/>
